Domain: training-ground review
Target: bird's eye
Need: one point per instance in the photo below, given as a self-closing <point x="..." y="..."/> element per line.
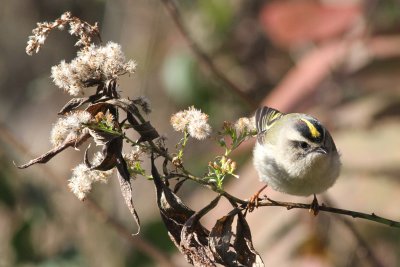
<point x="304" y="145"/>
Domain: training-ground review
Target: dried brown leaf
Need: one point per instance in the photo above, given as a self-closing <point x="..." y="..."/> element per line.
<point x="179" y="185"/>
<point x="173" y="212"/>
<point x="145" y="129"/>
<point x="243" y="245"/>
<point x="194" y="239"/>
<point x="220" y="238"/>
<point x="112" y="157"/>
<point x="199" y="246"/>
<point x="124" y="104"/>
<point x="110" y="152"/>
<point x="101" y="138"/>
<point x="233" y="249"/>
<point x="98" y="107"/>
<point x="70" y="142"/>
<point x="183" y="224"/>
<point x="126" y="190"/>
<point x="73" y="104"/>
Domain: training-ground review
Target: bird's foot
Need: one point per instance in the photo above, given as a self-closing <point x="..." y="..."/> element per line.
<point x="314" y="206"/>
<point x="254" y="199"/>
<point x="253" y="202"/>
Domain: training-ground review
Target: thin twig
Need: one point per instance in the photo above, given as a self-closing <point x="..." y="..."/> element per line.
<point x="355" y="214"/>
<point x="288" y="205"/>
<point x="202" y="56"/>
<point x="291" y="205"/>
<point x="136" y="241"/>
<point x="269" y="202"/>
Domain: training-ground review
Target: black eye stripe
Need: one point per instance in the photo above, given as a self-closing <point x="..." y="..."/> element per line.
<point x="304" y="145"/>
<point x="301" y="144"/>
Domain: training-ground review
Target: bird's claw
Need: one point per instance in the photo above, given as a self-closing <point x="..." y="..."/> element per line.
<point x="253" y="203"/>
<point x="314" y="206"/>
<point x="254" y="200"/>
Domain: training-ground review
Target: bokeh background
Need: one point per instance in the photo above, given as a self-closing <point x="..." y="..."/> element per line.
<point x="338" y="60"/>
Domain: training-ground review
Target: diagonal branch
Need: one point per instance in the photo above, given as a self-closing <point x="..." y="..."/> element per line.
<point x="269" y="202"/>
<point x="202" y="56"/>
<point x="291" y="205"/>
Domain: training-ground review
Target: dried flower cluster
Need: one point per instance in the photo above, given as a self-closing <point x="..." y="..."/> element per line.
<point x="92" y="65"/>
<point x="245" y="124"/>
<point x="96" y="117"/>
<point x="134" y="162"/>
<point x="133" y="155"/>
<point x="193" y="121"/>
<point x="226" y="165"/>
<point x="82" y="177"/>
<point x="69" y="126"/>
<point x="106" y="120"/>
<point x="79" y="28"/>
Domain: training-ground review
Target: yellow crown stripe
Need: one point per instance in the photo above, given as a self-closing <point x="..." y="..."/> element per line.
<point x="275" y="116"/>
<point x="314" y="132"/>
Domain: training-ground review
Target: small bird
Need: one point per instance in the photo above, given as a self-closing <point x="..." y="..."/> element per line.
<point x="294" y="154"/>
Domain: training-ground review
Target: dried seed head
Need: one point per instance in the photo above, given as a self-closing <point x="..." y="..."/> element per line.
<point x="245" y="125"/>
<point x="83" y="177"/>
<point x="192" y="120"/>
<point x="199" y="129"/>
<point x="105" y="119"/>
<point x="133" y="156"/>
<point x="95" y="63"/>
<point x="69" y="126"/>
<point x="78" y="27"/>
<point x="179" y="121"/>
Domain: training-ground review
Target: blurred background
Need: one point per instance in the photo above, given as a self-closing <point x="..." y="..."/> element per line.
<point x="338" y="60"/>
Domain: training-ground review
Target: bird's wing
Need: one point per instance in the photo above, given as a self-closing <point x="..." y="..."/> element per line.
<point x="265" y="118"/>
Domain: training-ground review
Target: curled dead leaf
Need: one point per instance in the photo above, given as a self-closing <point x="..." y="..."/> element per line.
<point x="126" y="190"/>
<point x="233" y="249"/>
<point x="144" y="128"/>
<point x="69" y="142"/>
<point x="246" y="254"/>
<point x="111" y="150"/>
<point x="173" y="212"/>
<point x="200" y="246"/>
<point x="98" y="107"/>
<point x="112" y="157"/>
<point x="182" y="224"/>
<point x="73" y="104"/>
<point x="220" y="238"/>
<point x="194" y="239"/>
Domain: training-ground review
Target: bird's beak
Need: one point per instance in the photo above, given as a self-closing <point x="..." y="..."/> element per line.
<point x="321" y="149"/>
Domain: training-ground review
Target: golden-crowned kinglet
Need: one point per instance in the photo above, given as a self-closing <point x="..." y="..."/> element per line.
<point x="294" y="153"/>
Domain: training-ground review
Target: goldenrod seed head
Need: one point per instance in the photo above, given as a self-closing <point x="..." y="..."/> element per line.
<point x="69" y="126"/>
<point x="194" y="121"/>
